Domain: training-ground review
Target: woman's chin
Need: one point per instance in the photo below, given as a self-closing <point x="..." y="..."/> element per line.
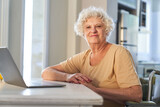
<point x="92" y="43"/>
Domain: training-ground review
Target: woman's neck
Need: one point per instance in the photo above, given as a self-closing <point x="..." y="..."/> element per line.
<point x="98" y="48"/>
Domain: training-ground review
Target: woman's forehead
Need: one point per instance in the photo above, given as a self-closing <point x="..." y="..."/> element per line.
<point x="93" y="19"/>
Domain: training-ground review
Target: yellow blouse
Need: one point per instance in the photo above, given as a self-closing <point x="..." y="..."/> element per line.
<point x="115" y="70"/>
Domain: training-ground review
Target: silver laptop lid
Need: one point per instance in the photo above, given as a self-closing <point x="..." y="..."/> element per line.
<point x="11" y="74"/>
<point x="9" y="70"/>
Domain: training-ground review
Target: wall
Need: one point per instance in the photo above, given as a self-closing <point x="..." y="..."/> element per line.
<point x="57" y="31"/>
<point x="155" y="36"/>
<point x="73" y="43"/>
<point x="96" y="3"/>
<point x="112" y="10"/>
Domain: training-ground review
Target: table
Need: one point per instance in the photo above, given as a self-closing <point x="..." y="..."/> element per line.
<point x="72" y="95"/>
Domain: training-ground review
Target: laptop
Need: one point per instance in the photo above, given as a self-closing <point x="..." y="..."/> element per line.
<point x="11" y="74"/>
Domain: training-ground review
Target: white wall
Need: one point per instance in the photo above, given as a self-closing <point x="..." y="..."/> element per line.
<point x="155" y="36"/>
<point x="57" y="31"/>
<point x="72" y="42"/>
<point x="112" y="10"/>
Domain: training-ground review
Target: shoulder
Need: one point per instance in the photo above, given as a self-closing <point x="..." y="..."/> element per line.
<point x="82" y="55"/>
<point x="119" y="49"/>
<point x="121" y="53"/>
<point x="75" y="62"/>
<point x="79" y="59"/>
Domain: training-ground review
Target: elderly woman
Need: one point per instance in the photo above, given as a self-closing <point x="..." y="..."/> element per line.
<point x="108" y="69"/>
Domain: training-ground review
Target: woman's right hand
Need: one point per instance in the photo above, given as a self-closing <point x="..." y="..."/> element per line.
<point x="77" y="78"/>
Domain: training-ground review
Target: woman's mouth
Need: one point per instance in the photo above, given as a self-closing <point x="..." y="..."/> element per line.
<point x="93" y="35"/>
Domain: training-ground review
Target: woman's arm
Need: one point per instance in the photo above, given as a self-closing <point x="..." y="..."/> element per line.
<point x="122" y="95"/>
<point x="56" y="73"/>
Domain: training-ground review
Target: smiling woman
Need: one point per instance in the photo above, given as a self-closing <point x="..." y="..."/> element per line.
<point x="106" y="68"/>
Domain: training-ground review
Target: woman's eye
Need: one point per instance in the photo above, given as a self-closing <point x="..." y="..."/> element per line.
<point x="99" y="26"/>
<point x="88" y="27"/>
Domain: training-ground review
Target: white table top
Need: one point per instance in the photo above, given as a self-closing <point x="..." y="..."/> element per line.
<point x="71" y="94"/>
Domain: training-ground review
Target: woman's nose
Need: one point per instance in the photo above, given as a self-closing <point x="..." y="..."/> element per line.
<point x="93" y="29"/>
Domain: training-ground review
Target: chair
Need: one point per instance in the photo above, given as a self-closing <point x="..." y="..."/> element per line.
<point x="153" y="97"/>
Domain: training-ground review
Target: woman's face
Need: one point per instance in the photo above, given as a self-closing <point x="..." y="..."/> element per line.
<point x="94" y="31"/>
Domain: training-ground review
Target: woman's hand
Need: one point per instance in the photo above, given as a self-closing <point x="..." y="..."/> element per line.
<point x="78" y="78"/>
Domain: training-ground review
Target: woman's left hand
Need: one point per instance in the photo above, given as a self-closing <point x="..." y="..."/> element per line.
<point x="78" y="78"/>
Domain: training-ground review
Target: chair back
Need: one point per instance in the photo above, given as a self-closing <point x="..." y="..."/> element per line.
<point x="154" y="87"/>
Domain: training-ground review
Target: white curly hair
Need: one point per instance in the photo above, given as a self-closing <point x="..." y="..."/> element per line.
<point x="93" y="12"/>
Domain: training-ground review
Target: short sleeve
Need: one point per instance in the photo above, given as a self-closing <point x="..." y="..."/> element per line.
<point x="73" y="64"/>
<point x="124" y="69"/>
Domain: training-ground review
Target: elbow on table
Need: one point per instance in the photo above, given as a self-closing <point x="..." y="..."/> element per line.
<point x="138" y="98"/>
<point x="44" y="74"/>
<point x="138" y="95"/>
<point x="47" y="74"/>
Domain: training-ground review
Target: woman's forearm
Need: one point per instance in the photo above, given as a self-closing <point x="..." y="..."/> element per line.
<point x="133" y="93"/>
<point x="53" y="75"/>
<point x="56" y="73"/>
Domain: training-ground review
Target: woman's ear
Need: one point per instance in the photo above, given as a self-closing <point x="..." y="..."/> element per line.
<point x="107" y="33"/>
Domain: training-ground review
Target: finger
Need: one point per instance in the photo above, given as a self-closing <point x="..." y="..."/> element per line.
<point x="81" y="82"/>
<point x="74" y="80"/>
<point x="79" y="78"/>
<point x="86" y="79"/>
<point x="83" y="78"/>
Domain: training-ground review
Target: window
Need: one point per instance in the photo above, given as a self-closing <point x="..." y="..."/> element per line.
<point x="33" y="51"/>
<point x="29" y="24"/>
